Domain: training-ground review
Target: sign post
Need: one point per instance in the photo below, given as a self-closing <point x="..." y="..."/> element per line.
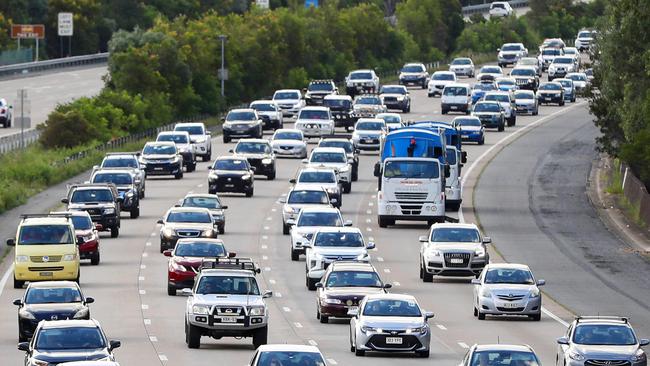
<point x="65" y="29"/>
<point x="263" y="4"/>
<point x="28" y="31"/>
<point x="23" y="104"/>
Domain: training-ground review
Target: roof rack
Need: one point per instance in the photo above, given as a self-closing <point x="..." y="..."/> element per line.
<point x="321" y="81"/>
<point x="37" y="215"/>
<point x="136" y="153"/>
<point x="230" y="263"/>
<point x="624" y="319"/>
<point x="337" y="136"/>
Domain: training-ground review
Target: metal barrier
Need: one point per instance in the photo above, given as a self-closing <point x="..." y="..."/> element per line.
<point x="12" y="142"/>
<point x="485" y="7"/>
<point x="26" y="68"/>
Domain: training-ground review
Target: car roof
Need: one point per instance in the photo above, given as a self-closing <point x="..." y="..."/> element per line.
<point x="497" y="92"/>
<point x="444" y="73"/>
<point x="338" y="97"/>
<point x="362" y="70"/>
<point x="287" y="90"/>
<point x="462" y="85"/>
<point x="503" y="347"/>
<point x="173" y="133"/>
<point x="263" y="141"/>
<point x="202" y="195"/>
<point x="390" y="296"/>
<point x="190" y="124"/>
<point x="45" y="221"/>
<point x="263" y="101"/>
<point x="288" y="348"/>
<point x="53" y="284"/>
<point x="161" y="143"/>
<point x="202" y="240"/>
<point x="72" y="213"/>
<point x="461" y="58"/>
<point x="315" y="108"/>
<point x="113" y="171"/>
<point x="317" y="169"/>
<point x="452" y="225"/>
<point x="508" y="266"/>
<point x="69" y="323"/>
<point x="393" y="86"/>
<point x="226" y="272"/>
<point x="352" y="266"/>
<point x="287" y="130"/>
<point x="320" y="209"/>
<point x="338" y="139"/>
<point x="414" y="64"/>
<point x="602" y="320"/>
<point x="390" y="114"/>
<point x="523" y="67"/>
<point x="250" y="110"/>
<point x="121" y="156"/>
<point x="329" y="149"/>
<point x="370" y="119"/>
<point x="188" y="209"/>
<point x="338" y="229"/>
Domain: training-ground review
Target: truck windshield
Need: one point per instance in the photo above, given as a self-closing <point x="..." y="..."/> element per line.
<point x="45" y="234"/>
<point x="412" y="169"/>
<point x="192" y="130"/>
<point x="120" y="163"/>
<point x="227" y="285"/>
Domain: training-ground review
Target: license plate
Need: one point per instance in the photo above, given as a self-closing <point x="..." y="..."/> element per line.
<point x="510" y="305"/>
<point x="158" y="168"/>
<point x="353" y="308"/>
<point x="393" y="340"/>
<point x="228" y="319"/>
<point x="229" y="185"/>
<point x="45" y="274"/>
<point x="454" y="107"/>
<point x="456" y="260"/>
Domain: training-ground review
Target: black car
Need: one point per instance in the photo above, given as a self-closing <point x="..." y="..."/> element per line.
<point x="126" y="188"/>
<point x="162" y="158"/>
<point x="50" y="300"/>
<point x="346" y="144"/>
<point x="341" y="110"/>
<point x="525" y="77"/>
<point x="56" y="342"/>
<point x="317" y="90"/>
<point x="259" y="154"/>
<point x="212" y="203"/>
<point x="231" y="174"/>
<point x="101" y="201"/>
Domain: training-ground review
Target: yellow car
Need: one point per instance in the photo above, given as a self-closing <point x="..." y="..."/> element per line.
<point x="46" y="249"/>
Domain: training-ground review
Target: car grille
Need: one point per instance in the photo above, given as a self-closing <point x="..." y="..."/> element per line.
<point x="523" y="81"/>
<point x="333" y="258"/>
<point x="415" y="196"/>
<point x="509" y="56"/>
<point x="228" y="310"/>
<point x="510" y="310"/>
<point x="188" y="233"/>
<point x="607" y="363"/>
<point x="390" y="99"/>
<point x="41" y="258"/>
<point x="464" y="256"/>
<point x="286" y="147"/>
<point x="511" y="297"/>
<point x="286" y="106"/>
<point x="408" y="341"/>
<point x="45" y="269"/>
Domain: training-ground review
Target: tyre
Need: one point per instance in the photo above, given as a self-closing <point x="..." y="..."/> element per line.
<point x="286" y="228"/>
<point x="18" y="284"/>
<point x="78" y="279"/>
<point x="271" y="175"/>
<point x="573" y="100"/>
<point x="311" y="284"/>
<point x="95" y="259"/>
<point x="384" y="222"/>
<point x="294" y="255"/>
<point x="512" y="120"/>
<point x="163" y="246"/>
<point x="226" y="139"/>
<point x="536" y="112"/>
<point x="115" y="232"/>
<point x="191" y="167"/>
<point x="501" y="127"/>
<point x="192" y="336"/>
<point x="481" y="316"/>
<point x="347" y="187"/>
<point x="426" y="277"/>
<point x="171" y="290"/>
<point x="537" y="317"/>
<point x="423" y="354"/>
<point x="21" y="338"/>
<point x="429" y="95"/>
<point x="360" y="353"/>
<point x="355" y="173"/>
<point x="260" y="337"/>
<point x="475" y="312"/>
<point x="561" y="103"/>
<point x="135" y="213"/>
<point x="179" y="175"/>
<point x="141" y="196"/>
<point x="424" y="84"/>
<point x="421" y="269"/>
<point x="481" y="141"/>
<point x="444" y="111"/>
<point x="249" y="193"/>
<point x="324" y="319"/>
<point x="222" y="229"/>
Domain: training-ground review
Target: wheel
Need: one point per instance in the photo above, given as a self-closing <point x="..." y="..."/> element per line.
<point x="475" y="312"/>
<point x="481" y="141"/>
<point x="179" y="175"/>
<point x="95" y="259"/>
<point x="18" y="284"/>
<point x="429" y="95"/>
<point x="115" y="232"/>
<point x="222" y="229"/>
<point x="286" y="228"/>
<point x="163" y="246"/>
<point x="226" y="139"/>
<point x="260" y="337"/>
<point x="347" y="187"/>
<point x="135" y="212"/>
<point x="294" y="255"/>
<point x="426" y="277"/>
<point x="562" y="103"/>
<point x="311" y="284"/>
<point x="481" y="316"/>
<point x="537" y="317"/>
<point x="501" y="127"/>
<point x="423" y="354"/>
<point x="249" y="193"/>
<point x="536" y="112"/>
<point x="171" y="290"/>
<point x="324" y="319"/>
<point x="191" y="167"/>
<point x="360" y="353"/>
<point x="193" y="336"/>
<point x="382" y="222"/>
<point x="573" y="100"/>
<point x="421" y="270"/>
<point x="271" y="175"/>
<point x="444" y="111"/>
<point x="141" y="196"/>
<point x="355" y="174"/>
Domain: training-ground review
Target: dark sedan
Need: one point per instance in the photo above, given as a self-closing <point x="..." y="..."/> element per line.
<point x="229" y="174"/>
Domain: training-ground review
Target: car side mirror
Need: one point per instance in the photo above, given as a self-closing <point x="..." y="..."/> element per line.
<point x="377" y="170"/>
<point x="463" y="157"/>
<point x="90" y="300"/>
<point x="64" y="200"/>
<point x="18" y="302"/>
<point x="11" y="242"/>
<point x="282" y="200"/>
<point x="370" y="245"/>
<point x="115" y="344"/>
<point x="223" y="119"/>
<point x="428" y="315"/>
<point x="319" y="285"/>
<point x="160" y="222"/>
<point x="541" y="282"/>
<point x="291" y="222"/>
<point x="347" y="223"/>
<point x="253" y="169"/>
<point x="167" y="252"/>
<point x="186" y="292"/>
<point x="232" y="254"/>
<point x="387" y="285"/>
<point x="475" y="281"/>
<point x="95" y="167"/>
<point x="231" y="151"/>
<point x="224" y="207"/>
<point x="563" y="340"/>
<point x="210" y="167"/>
<point x="292" y="181"/>
<point x="305" y="161"/>
<point x="267" y="294"/>
<point x="487" y="240"/>
<point x="177" y="205"/>
<point x="644" y="342"/>
<point x="23" y="346"/>
<point x="498" y="50"/>
<point x="423" y="239"/>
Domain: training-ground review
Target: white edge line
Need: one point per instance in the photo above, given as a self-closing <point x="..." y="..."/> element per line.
<point x="555" y="317"/>
<point x="5" y="278"/>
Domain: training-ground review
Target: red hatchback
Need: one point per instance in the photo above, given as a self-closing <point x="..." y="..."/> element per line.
<point x="87" y="234"/>
<point x="186" y="258"/>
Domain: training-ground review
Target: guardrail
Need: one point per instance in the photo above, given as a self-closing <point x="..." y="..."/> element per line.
<point x="485" y="7"/>
<point x="27" y="67"/>
<point x="13" y="141"/>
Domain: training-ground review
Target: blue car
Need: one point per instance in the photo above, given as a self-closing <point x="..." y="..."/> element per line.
<point x="569" y="89"/>
<point x="479" y="90"/>
<point x="471" y="129"/>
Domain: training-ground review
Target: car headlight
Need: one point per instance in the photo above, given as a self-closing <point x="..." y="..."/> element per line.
<point x="213" y="176"/>
<point x="332" y="190"/>
<point x="534" y="293"/>
<point x="129" y="194"/>
<point x="288" y="209"/>
<point x="331" y="301"/>
<point x="416" y="330"/>
<point x="246" y="177"/>
<point x="81" y="314"/>
<point x="367" y="329"/>
<point x="88" y="237"/>
<point x="109" y="211"/>
<point x="256" y="311"/>
<point x="639" y="356"/>
<point x="576" y="356"/>
<point x="35" y="362"/>
<point x="26" y="314"/>
<point x="69" y="257"/>
<point x="22" y="258"/>
<point x="207" y="233"/>
<point x="200" y="140"/>
<point x="200" y="309"/>
<point x="485" y="292"/>
<point x="434" y="253"/>
<point x="267" y="161"/>
<point x="345" y="168"/>
<point x="178" y="267"/>
<point x="318" y="256"/>
<point x="479" y="252"/>
<point x="363" y="257"/>
<point x="168" y="232"/>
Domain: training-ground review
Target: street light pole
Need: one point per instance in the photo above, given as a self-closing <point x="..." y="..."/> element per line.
<point x="222" y="73"/>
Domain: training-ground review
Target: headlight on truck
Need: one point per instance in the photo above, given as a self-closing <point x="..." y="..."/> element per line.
<point x="200" y="309"/>
<point x="69" y="257"/>
<point x="256" y="311"/>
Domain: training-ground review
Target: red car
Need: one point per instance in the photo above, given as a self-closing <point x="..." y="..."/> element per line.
<point x="88" y="233"/>
<point x="186" y="259"/>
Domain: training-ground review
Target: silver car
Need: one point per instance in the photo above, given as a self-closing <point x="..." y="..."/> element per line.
<point x="390" y="323"/>
<point x="499" y="355"/>
<point x="290" y="143"/>
<point x="526" y="102"/>
<point x="507" y="289"/>
<point x="287" y="354"/>
<point x="309" y="220"/>
<point x="298" y="198"/>
<point x="600" y="341"/>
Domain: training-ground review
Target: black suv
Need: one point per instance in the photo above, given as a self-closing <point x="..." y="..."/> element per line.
<point x="341" y="110"/>
<point x="126" y="188"/>
<point x="231" y="174"/>
<point x="317" y="90"/>
<point x="101" y="201"/>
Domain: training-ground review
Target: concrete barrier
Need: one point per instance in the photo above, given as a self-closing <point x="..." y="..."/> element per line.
<point x="29" y="67"/>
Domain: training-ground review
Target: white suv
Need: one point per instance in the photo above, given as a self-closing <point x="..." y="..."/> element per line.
<point x="361" y="82"/>
<point x="500" y="9"/>
<point x="456" y="98"/>
<point x="315" y="122"/>
<point x="332" y="157"/>
<point x="5" y="113"/>
<point x="438" y="81"/>
<point x="290" y="101"/>
<point x="200" y="138"/>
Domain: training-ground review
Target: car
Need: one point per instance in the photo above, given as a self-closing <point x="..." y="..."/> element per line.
<point x="507" y="103"/>
<point x="368" y="133"/>
<point x="270" y="113"/>
<point x="456" y="98"/>
<point x="231" y="174"/>
<point x="553" y="43"/>
<point x="547" y="55"/>
<point x="315" y="122"/>
<point x="341" y="110"/>
<point x="453" y="249"/>
<point x="287" y="354"/>
<point x="506" y="84"/>
<point x="299" y="198"/>
<point x="343" y="286"/>
<point x="393" y="120"/>
<point x="89" y="363"/>
<point x="510" y="53"/>
<point x="183" y="145"/>
<point x="126" y="161"/>
<point x="5" y="113"/>
<point x="595" y="340"/>
<point x="490" y="114"/>
<point x="101" y="201"/>
<point x="361" y="82"/>
<point x="462" y="66"/>
<point x="533" y="62"/>
<point x="479" y="90"/>
<point x="569" y="89"/>
<point x="200" y="138"/>
<point x="525" y="77"/>
<point x="259" y="154"/>
<point x="491" y="72"/>
<point x="290" y="143"/>
<point x="309" y="220"/>
<point x="390" y="323"/>
<point x="526" y="102"/>
<point x="580" y="81"/>
<point x="471" y="129"/>
<point x="87" y="234"/>
<point x="560" y="67"/>
<point x="186" y="259"/>
<point x="318" y="89"/>
<point x="210" y="201"/>
<point x="325" y="178"/>
<point x="50" y="300"/>
<point x="290" y="101"/>
<point x="395" y="97"/>
<point x="243" y="122"/>
<point x="346" y="144"/>
<point x="53" y="341"/>
<point x="584" y="39"/>
<point x="185" y="222"/>
<point x="367" y="106"/>
<point x="226" y="301"/>
<point x="127" y="190"/>
<point x="438" y="81"/>
<point x="162" y="158"/>
<point x="550" y="93"/>
<point x="330" y="244"/>
<point x="414" y="74"/>
<point x="495" y="354"/>
<point x="500" y="9"/>
<point x="590" y="75"/>
<point x="573" y="52"/>
<point x="507" y="289"/>
<point x="336" y="158"/>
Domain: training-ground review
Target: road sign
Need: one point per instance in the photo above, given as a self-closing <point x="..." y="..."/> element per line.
<point x="310" y="3"/>
<point x="223" y="74"/>
<point x="66" y="24"/>
<point x="264" y="4"/>
<point x="26" y="31"/>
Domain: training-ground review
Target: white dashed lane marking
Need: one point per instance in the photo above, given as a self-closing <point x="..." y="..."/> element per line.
<point x="272" y="282"/>
<point x="297" y="325"/>
<point x="387" y="270"/>
<point x="463" y="344"/>
<point x="153" y="338"/>
<point x="146" y="321"/>
<point x="441" y="327"/>
<point x="145" y="307"/>
<point x="143" y="292"/>
<point x="312" y="342"/>
<point x="286" y="309"/>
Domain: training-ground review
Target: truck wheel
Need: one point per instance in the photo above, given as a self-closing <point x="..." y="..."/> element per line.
<point x="171" y="290"/>
<point x="347" y="187"/>
<point x="18" y="284"/>
<point x="384" y="222"/>
<point x="135" y="212"/>
<point x="192" y="336"/>
<point x="95" y="259"/>
<point x="115" y="232"/>
<point x="260" y="337"/>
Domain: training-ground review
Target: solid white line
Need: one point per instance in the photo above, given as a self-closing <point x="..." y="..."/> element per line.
<point x="555" y="317"/>
<point x="463" y="344"/>
<point x="441" y="327"/>
<point x="312" y="342"/>
<point x="5" y="278"/>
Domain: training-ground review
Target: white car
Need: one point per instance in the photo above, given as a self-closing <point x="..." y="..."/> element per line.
<point x="200" y="137"/>
<point x="500" y="9"/>
<point x="309" y="220"/>
<point x="490" y="71"/>
<point x="368" y="133"/>
<point x="547" y="55"/>
<point x="438" y="81"/>
<point x="580" y="80"/>
<point x="534" y="62"/>
<point x="573" y="52"/>
<point x="560" y="67"/>
<point x="324" y="178"/>
<point x="584" y="39"/>
<point x="270" y="112"/>
<point x="462" y="66"/>
<point x="183" y="144"/>
<point x="289" y="100"/>
<point x="393" y="120"/>
<point x="298" y="198"/>
<point x="456" y="98"/>
<point x="289" y="142"/>
<point x="526" y="102"/>
<point x="315" y="121"/>
<point x="414" y="74"/>
<point x="5" y="113"/>
<point x="335" y="158"/>
<point x="510" y="53"/>
<point x="287" y="354"/>
<point x="506" y="102"/>
<point x="361" y="82"/>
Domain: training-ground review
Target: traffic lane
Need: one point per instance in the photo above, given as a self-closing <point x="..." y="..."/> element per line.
<point x="543" y="208"/>
<point x="46" y="91"/>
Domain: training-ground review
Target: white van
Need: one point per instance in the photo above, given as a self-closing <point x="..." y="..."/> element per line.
<point x="456" y="98"/>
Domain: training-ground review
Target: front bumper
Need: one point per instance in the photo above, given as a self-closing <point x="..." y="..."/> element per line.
<point x="525" y="108"/>
<point x="247" y="131"/>
<point x="395" y="103"/>
<point x="508" y="60"/>
<point x="411" y="210"/>
<point x="552" y="98"/>
<point x="412" y="80"/>
<point x="212" y="324"/>
<point x="360" y="88"/>
<point x="163" y="168"/>
<point x="367" y="143"/>
<point x="290" y="151"/>
<point x="455" y="107"/>
<point x="313" y="130"/>
<point x="443" y="266"/>
<point x="89" y="249"/>
<point x="463" y="72"/>
<point x="337" y="310"/>
<point x="31" y="271"/>
<point x="491" y="122"/>
<point x="261" y="168"/>
<point x="343" y="119"/>
<point x="373" y="341"/>
<point x="474" y="136"/>
<point x="527" y="306"/>
<point x="230" y="185"/>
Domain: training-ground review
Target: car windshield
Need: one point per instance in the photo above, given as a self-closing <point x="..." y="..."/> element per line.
<point x="391" y="119"/>
<point x="52" y="295"/>
<point x="527" y="61"/>
<point x="524" y="95"/>
<point x="413" y="68"/>
<point x="286" y="95"/>
<point x="551" y="52"/>
<point x="63" y="338"/>
<point x="455" y="235"/>
<point x="317" y="177"/>
<point x="562" y="60"/>
<point x="443" y="76"/>
<point x="585" y="34"/>
<point x="120" y="163"/>
<point x="91" y="195"/>
<point x="390" y="307"/>
<point x="570" y="51"/>
<point x="287" y="135"/>
<point x="192" y="130"/>
<point x="353" y="279"/>
<point x="228" y="164"/>
<point x="252" y="148"/>
<point x="451" y="156"/>
<point x="231" y="285"/>
<point x="336" y="239"/>
<point x="313" y="114"/>
<point x="498" y="6"/>
<point x="290" y="358"/>
<point x="514" y="276"/>
<point x="45" y="234"/>
<point x="119" y="179"/>
<point x="370" y="126"/>
<point x="340" y="103"/>
<point x="487" y="107"/>
<point x="320" y="87"/>
<point x="199" y="249"/>
<point x="345" y="145"/>
<point x="82" y="223"/>
<point x="411" y="169"/>
<point x="328" y="157"/>
<point x="368" y="100"/>
<point x="491" y="70"/>
<point x="484" y="86"/>
<point x="263" y="107"/>
<point x="565" y="83"/>
<point x="604" y="335"/>
<point x="159" y="150"/>
<point x="240" y="116"/>
<point x="203" y="202"/>
<point x="497" y="98"/>
<point x="393" y="90"/>
<point x="360" y="76"/>
<point x="189" y="216"/>
<point x="307" y="197"/>
<point x="504" y="358"/>
<point x="511" y="47"/>
<point x="469" y="122"/>
<point x="455" y="91"/>
<point x="550" y="87"/>
<point x="522" y="72"/>
<point x="461" y="61"/>
<point x="320" y="219"/>
<point x="577" y="77"/>
<point x="176" y="138"/>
